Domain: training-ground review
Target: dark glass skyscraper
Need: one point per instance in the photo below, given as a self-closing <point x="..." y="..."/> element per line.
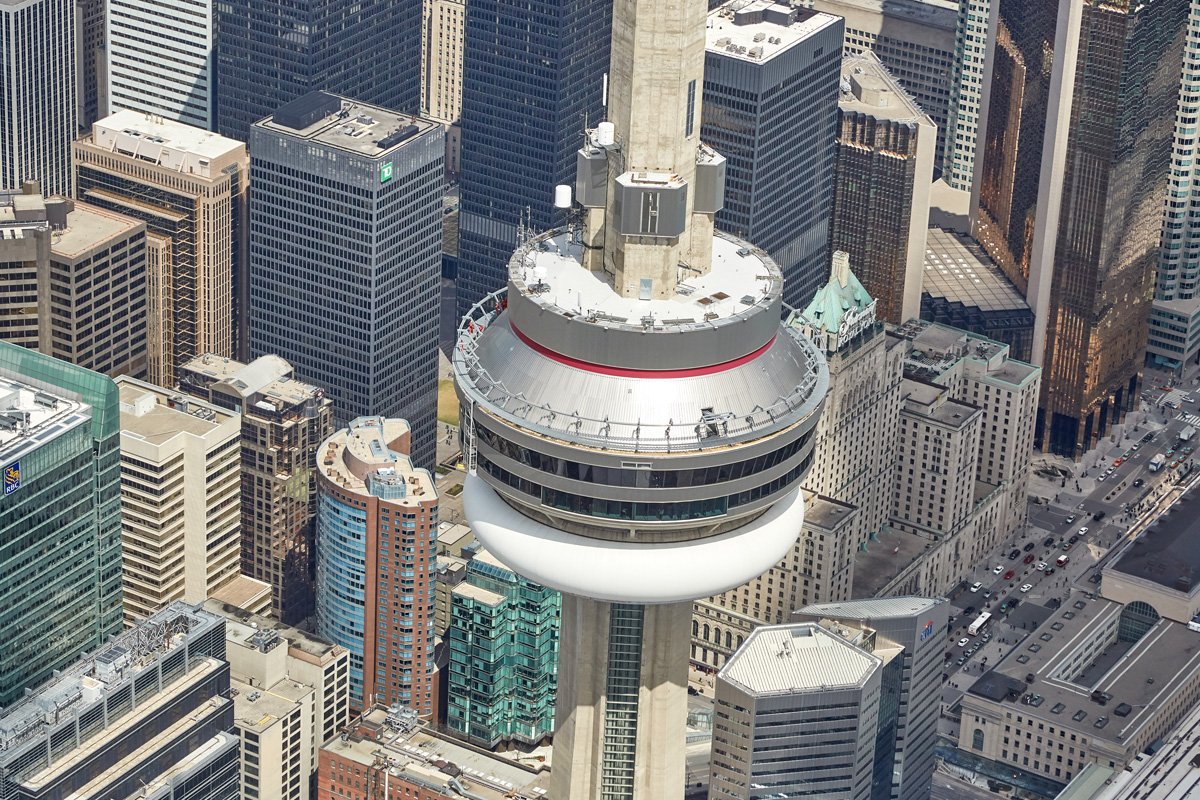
<point x="345" y="256"/>
<point x="533" y="78"/>
<point x="270" y="52"/>
<point x="774" y="117"/>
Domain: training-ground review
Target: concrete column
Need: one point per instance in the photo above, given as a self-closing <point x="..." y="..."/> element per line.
<point x="583" y="675"/>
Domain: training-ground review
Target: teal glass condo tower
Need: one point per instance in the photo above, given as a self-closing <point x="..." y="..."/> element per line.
<point x="503" y="656"/>
<point x="60" y="516"/>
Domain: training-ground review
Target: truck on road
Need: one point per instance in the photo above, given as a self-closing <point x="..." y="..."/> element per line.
<point x="1187" y="433"/>
<point x="1157" y="462"/>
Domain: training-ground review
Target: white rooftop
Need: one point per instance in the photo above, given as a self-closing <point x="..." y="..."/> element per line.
<point x="164" y="141"/>
<point x="787" y="659"/>
<point x="738" y="41"/>
<point x="30" y="417"/>
<point x="737" y="276"/>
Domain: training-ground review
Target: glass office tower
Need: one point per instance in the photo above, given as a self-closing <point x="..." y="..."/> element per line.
<point x="270" y="52"/>
<point x="532" y="82"/>
<point x="60" y="516"/>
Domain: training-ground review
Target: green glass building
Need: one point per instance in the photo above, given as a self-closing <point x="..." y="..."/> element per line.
<point x="60" y="516"/>
<point x="503" y="656"/>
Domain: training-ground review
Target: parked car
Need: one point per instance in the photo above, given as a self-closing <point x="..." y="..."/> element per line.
<point x="961" y="661"/>
<point x="1049" y="542"/>
<point x="1029" y="547"/>
<point x="1015" y="553"/>
<point x="1041" y="565"/>
<point x="1029" y="558"/>
<point x="1026" y="588"/>
<point x="999" y="568"/>
<point x="987" y="637"/>
<point x="976" y="586"/>
<point x="1103" y="477"/>
<point x="1009" y="574"/>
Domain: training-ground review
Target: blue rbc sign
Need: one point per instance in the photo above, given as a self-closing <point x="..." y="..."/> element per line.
<point x="12" y="477"/>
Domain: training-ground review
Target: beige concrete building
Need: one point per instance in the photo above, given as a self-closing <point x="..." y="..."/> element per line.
<point x="284" y="421"/>
<point x="1094" y="683"/>
<point x="24" y="264"/>
<point x="451" y="571"/>
<point x="823" y="556"/>
<point x="189" y="186"/>
<point x="442" y="23"/>
<point x="293" y="694"/>
<point x="180" y="484"/>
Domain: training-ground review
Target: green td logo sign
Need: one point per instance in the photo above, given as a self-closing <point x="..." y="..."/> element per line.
<point x="385" y="172"/>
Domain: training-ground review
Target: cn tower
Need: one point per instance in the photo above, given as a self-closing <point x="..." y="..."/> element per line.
<point x="637" y="413"/>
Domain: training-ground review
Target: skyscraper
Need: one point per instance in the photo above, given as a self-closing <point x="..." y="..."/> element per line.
<point x="503" y="674"/>
<point x="60" y="513"/>
<point x="346" y="256"/>
<point x="800" y="683"/>
<point x="636" y="420"/>
<point x="377" y="520"/>
<point x="181" y="485"/>
<point x="531" y="85"/>
<point x="189" y="186"/>
<point x="917" y="625"/>
<point x="884" y="170"/>
<point x="780" y="151"/>
<point x="442" y="23"/>
<point x="973" y="32"/>
<point x="271" y="53"/>
<point x="160" y="59"/>
<point x="284" y="421"/>
<point x="1175" y="316"/>
<point x="1118" y="160"/>
<point x="147" y="715"/>
<point x="37" y="94"/>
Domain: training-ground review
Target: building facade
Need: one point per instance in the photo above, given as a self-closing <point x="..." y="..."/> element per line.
<point x="284" y="421"/>
<point x="973" y="30"/>
<point x="147" y="714"/>
<point x="189" y="187"/>
<point x="264" y="655"/>
<point x="363" y="323"/>
<point x="442" y="23"/>
<point x="884" y="169"/>
<point x="787" y="682"/>
<point x="269" y="54"/>
<point x="780" y="153"/>
<point x="181" y="485"/>
<point x="1175" y="315"/>
<point x="96" y="317"/>
<point x="503" y="635"/>
<point x="542" y="76"/>
<point x="24" y="265"/>
<point x="60" y="511"/>
<point x="38" y="42"/>
<point x="917" y="625"/>
<point x="915" y="40"/>
<point x="820" y="566"/>
<point x="91" y="93"/>
<point x="160" y="59"/>
<point x="376" y="563"/>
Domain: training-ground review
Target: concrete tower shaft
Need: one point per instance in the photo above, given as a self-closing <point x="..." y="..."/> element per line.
<point x="652" y="230"/>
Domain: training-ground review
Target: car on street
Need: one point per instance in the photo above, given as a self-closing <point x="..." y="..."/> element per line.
<point x="977" y="586"/>
<point x="1049" y="542"/>
<point x="1067" y="546"/>
<point x="987" y="637"/>
<point x="1187" y="451"/>
<point x="1147" y="438"/>
<point x="1103" y="477"/>
<point x="1136" y="446"/>
<point x="1029" y="547"/>
<point x="1049" y="570"/>
<point x="1029" y="558"/>
<point x="1073" y="540"/>
<point x="1083" y="531"/>
<point x="999" y="568"/>
<point x="1041" y="565"/>
<point x="969" y="610"/>
<point x="1009" y="574"/>
<point x="1125" y="455"/>
<point x="1004" y="607"/>
<point x="1118" y="462"/>
<point x="1026" y="588"/>
<point x="1071" y="519"/>
<point x="1015" y="553"/>
<point x="1171" y="453"/>
<point x="963" y="642"/>
<point x="1173" y="464"/>
<point x="961" y="661"/>
<point x="1138" y="483"/>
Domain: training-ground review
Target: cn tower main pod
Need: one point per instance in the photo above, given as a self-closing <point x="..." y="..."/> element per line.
<point x="637" y="414"/>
